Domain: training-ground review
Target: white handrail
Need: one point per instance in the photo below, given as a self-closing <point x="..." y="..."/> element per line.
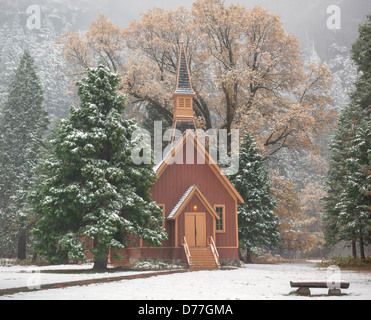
<point x="214" y="250"/>
<point x="186" y="249"/>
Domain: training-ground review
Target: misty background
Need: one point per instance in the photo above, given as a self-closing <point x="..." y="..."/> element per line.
<point x="304" y="18"/>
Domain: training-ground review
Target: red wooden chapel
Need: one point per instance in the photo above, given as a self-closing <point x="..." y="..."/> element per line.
<point x="199" y="203"/>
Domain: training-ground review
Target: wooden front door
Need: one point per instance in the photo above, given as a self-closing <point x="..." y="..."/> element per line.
<point x="195" y="229"/>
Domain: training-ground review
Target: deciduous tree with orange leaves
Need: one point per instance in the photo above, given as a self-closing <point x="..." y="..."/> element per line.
<point x="103" y="41"/>
<point x="294" y="223"/>
<point x="246" y="70"/>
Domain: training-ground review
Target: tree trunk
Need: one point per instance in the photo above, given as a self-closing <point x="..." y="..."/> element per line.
<point x="362" y="249"/>
<point x="100" y="263"/>
<point x="248" y="256"/>
<point x="240" y="256"/>
<point x="22" y="246"/>
<point x="100" y="257"/>
<point x="34" y="258"/>
<point x="354" y="249"/>
<point x="64" y="258"/>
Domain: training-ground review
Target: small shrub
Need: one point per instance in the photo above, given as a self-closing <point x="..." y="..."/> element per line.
<point x="262" y="256"/>
<point x="155" y="265"/>
<point x="5" y="263"/>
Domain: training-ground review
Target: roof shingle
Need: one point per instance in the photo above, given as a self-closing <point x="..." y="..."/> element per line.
<point x="184" y="79"/>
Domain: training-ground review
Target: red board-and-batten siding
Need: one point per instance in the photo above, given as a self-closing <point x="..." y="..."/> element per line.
<point x="173" y="182"/>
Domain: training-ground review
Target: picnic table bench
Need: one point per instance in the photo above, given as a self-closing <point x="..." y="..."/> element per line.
<point x="334" y="289"/>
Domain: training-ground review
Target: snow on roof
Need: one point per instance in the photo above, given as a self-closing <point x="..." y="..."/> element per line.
<point x="181" y="201"/>
<point x="157" y="166"/>
<point x="184" y="79"/>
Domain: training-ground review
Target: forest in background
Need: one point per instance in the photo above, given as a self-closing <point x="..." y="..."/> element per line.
<point x="297" y="172"/>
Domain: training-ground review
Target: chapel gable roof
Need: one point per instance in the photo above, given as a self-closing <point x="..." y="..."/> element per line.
<point x="190" y="136"/>
<point x="186" y="197"/>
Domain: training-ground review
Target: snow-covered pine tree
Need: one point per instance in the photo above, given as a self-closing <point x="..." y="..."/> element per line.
<point x="336" y="177"/>
<point x="334" y="184"/>
<point x="257" y="223"/>
<point x="92" y="188"/>
<point x="355" y="201"/>
<point x="23" y="123"/>
<point x="336" y="181"/>
<point x="348" y="200"/>
<point x="361" y="51"/>
<point x="42" y="45"/>
<point x="360" y="180"/>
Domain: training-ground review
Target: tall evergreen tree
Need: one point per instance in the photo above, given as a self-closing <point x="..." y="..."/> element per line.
<point x="361" y="166"/>
<point x="23" y="123"/>
<point x="361" y="50"/>
<point x="348" y="200"/>
<point x="337" y="179"/>
<point x="45" y="50"/>
<point x="355" y="204"/>
<point x="91" y="186"/>
<point x="257" y="223"/>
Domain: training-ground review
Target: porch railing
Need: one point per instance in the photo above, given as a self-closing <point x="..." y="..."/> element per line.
<point x="214" y="250"/>
<point x="186" y="250"/>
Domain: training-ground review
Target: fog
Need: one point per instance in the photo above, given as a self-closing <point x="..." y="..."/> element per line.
<point x="325" y="36"/>
<point x="304" y="18"/>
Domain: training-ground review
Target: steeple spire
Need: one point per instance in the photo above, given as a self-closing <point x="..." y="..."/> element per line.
<point x="184" y="85"/>
<point x="183" y="95"/>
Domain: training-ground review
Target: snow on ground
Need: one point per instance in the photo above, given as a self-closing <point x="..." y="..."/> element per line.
<point x="18" y="276"/>
<point x="248" y="283"/>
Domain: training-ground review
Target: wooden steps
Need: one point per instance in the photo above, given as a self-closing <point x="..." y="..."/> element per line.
<point x="202" y="259"/>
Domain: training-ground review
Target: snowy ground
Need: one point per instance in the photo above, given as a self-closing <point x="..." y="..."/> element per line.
<point x="248" y="283"/>
<point x="18" y="276"/>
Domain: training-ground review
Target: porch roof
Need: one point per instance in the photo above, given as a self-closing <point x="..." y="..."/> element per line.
<point x="186" y="197"/>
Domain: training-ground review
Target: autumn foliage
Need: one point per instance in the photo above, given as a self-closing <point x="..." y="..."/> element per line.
<point x="247" y="72"/>
<point x="295" y="222"/>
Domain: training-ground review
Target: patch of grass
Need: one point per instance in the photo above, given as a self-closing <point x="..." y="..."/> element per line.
<point x="4" y="263"/>
<point x="348" y="263"/>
